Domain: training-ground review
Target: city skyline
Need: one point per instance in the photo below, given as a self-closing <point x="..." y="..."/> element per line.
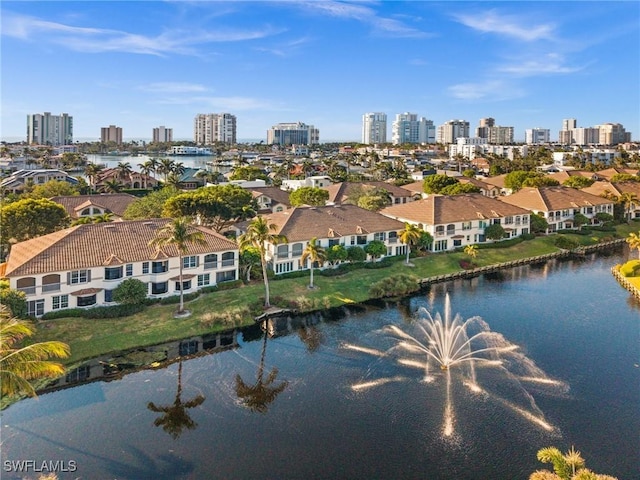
<point x="139" y="65"/>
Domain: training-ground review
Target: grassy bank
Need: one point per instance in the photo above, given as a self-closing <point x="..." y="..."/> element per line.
<point x="237" y="307"/>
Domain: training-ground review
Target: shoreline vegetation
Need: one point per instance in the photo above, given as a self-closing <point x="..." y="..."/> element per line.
<point x="230" y="308"/>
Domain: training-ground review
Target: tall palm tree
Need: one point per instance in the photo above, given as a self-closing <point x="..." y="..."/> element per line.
<point x="634" y="241"/>
<point x="258" y="396"/>
<point x="629" y="201"/>
<point x="410" y="236"/>
<point x="124" y="170"/>
<point x="111" y="186"/>
<point x="175" y="416"/>
<point x="314" y="253"/>
<point x="146" y="168"/>
<point x="179" y="234"/>
<point x="18" y="364"/>
<point x="165" y="167"/>
<point x="258" y="234"/>
<point x="92" y="170"/>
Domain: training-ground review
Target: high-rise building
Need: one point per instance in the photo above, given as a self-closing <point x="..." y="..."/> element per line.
<point x="499" y="135"/>
<point x="613" y="134"/>
<point x="485" y="123"/>
<point x="209" y="128"/>
<point x="534" y="136"/>
<point x="298" y="133"/>
<point x="450" y="131"/>
<point x="569" y="124"/>
<point x="374" y="128"/>
<point x="585" y="136"/>
<point x="565" y="136"/>
<point x="408" y="128"/>
<point x="47" y="129"/>
<point x="111" y="134"/>
<point x="162" y="135"/>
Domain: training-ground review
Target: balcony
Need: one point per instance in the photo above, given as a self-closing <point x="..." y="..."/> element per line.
<point x="228" y="263"/>
<point x="210" y="265"/>
<point x="28" y="290"/>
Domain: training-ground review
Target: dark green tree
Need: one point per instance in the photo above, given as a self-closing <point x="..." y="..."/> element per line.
<point x="130" y="292"/>
<point x="495" y="231"/>
<point x="434" y="184"/>
<point x="31" y="218"/>
<point x="312" y="196"/>
<point x="375" y="249"/>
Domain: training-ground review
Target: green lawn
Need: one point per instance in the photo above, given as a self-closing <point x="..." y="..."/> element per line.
<point x="91" y="338"/>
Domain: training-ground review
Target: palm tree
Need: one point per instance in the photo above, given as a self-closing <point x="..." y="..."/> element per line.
<point x="629" y="201"/>
<point x="258" y="396"/>
<point x="472" y="251"/>
<point x="112" y="186"/>
<point x="124" y="170"/>
<point x="147" y="168"/>
<point x="18" y="365"/>
<point x="315" y="253"/>
<point x="258" y="235"/>
<point x="634" y="241"/>
<point x="165" y="167"/>
<point x="92" y="170"/>
<point x="175" y="416"/>
<point x="102" y="218"/>
<point x="178" y="234"/>
<point x="568" y="466"/>
<point x="410" y="236"/>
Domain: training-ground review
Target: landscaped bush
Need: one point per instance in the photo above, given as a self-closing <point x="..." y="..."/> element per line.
<point x="384" y="263"/>
<point x="501" y="244"/>
<point x="130" y="291"/>
<point x="113" y="311"/>
<point x="567" y="243"/>
<point x="527" y="236"/>
<point x="631" y="268"/>
<point x="395" y="285"/>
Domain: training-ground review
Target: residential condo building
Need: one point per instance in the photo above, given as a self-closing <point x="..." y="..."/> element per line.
<point x="288" y="134"/>
<point x="408" y="128"/>
<point x="111" y="134"/>
<point x="162" y="135"/>
<point x="604" y="134"/>
<point x="533" y="136"/>
<point x="374" y="128"/>
<point x="211" y="128"/>
<point x="47" y="129"/>
<point x="450" y="131"/>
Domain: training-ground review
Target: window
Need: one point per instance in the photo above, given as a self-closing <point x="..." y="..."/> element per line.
<point x="440" y="230"/>
<point x="159" y="267"/>
<point x="145" y="268"/>
<point x="440" y="245"/>
<point x="508" y="220"/>
<point x="284" y="267"/>
<point x="159" y="288"/>
<point x="87" y="300"/>
<point x="129" y="269"/>
<point x="79" y="276"/>
<point x="393" y="237"/>
<point x="296" y="250"/>
<point x="457" y="242"/>
<point x="210" y="261"/>
<point x="451" y="229"/>
<point x="334" y="241"/>
<point x="227" y="276"/>
<point x="353" y="240"/>
<point x="186" y="285"/>
<point x="283" y="251"/>
<point x="204" y="279"/>
<point x="112" y="273"/>
<point x="382" y="236"/>
<point x="190" y="262"/>
<point x="108" y="296"/>
<point x="50" y="283"/>
<point x="35" y="308"/>
<point x="466" y="225"/>
<point x="361" y="240"/>
<point x="60" y="301"/>
<point x="228" y="259"/>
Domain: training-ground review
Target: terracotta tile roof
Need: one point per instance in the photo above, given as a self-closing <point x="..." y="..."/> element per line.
<point x="599" y="188"/>
<point x="339" y="192"/>
<point x="567" y="174"/>
<point x="547" y="199"/>
<point x="497" y="181"/>
<point x="274" y="193"/>
<point x="117" y="203"/>
<point x="304" y="223"/>
<point x="443" y="209"/>
<point x="610" y="172"/>
<point x="95" y="245"/>
<point x="415" y="187"/>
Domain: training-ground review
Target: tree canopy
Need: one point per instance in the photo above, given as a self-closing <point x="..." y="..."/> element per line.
<point x="150" y="206"/>
<point x="434" y="184"/>
<point x="312" y="196"/>
<point x="31" y="218"/>
<point x="217" y="206"/>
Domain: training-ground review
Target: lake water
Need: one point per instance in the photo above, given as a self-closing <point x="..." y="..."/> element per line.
<point x="284" y="406"/>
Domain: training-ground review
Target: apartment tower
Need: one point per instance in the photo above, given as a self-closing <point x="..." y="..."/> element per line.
<point x="210" y="128"/>
<point x="47" y="129"/>
<point x="374" y="128"/>
<point x="162" y="135"/>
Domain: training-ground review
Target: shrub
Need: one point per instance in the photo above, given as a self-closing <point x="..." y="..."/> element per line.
<point x="395" y="285"/>
<point x="113" y="311"/>
<point x="565" y="242"/>
<point x="15" y="301"/>
<point x="356" y="254"/>
<point x="630" y="268"/>
<point x="130" y="291"/>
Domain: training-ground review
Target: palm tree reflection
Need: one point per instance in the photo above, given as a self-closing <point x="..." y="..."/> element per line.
<point x="258" y="396"/>
<point x="175" y="418"/>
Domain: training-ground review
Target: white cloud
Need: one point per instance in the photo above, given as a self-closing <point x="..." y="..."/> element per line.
<point x="507" y="25"/>
<point x="97" y="40"/>
<point x="549" y="64"/>
<point x="488" y="90"/>
<point x="358" y="11"/>
<point x="221" y="103"/>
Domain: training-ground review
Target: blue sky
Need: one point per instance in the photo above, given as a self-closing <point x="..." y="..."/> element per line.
<point x="140" y="65"/>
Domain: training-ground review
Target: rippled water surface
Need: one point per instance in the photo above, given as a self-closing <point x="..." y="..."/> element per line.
<point x="283" y="405"/>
